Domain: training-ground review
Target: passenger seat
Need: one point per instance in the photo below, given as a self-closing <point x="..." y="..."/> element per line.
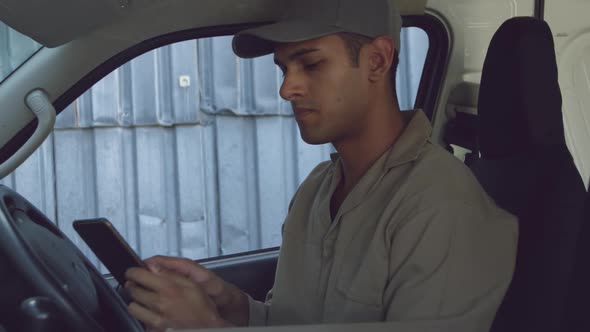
<point x="526" y="167"/>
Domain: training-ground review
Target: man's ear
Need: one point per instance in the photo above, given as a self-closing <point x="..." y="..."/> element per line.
<point x="380" y="55"/>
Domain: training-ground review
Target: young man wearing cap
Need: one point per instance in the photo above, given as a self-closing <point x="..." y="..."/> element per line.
<point x="393" y="228"/>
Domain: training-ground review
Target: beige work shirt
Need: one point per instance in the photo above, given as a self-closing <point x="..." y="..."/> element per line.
<point x="417" y="241"/>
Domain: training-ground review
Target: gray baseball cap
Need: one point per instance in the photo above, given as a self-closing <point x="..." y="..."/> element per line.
<point x="308" y="19"/>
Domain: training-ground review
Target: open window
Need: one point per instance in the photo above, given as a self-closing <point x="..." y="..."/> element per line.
<point x="188" y="150"/>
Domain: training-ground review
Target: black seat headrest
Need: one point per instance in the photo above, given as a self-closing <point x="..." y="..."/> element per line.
<point x="519" y="106"/>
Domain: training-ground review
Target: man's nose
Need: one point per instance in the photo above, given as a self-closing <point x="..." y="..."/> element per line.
<point x="292" y="87"/>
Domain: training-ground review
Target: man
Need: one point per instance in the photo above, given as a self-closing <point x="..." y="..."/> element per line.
<point x="393" y="228"/>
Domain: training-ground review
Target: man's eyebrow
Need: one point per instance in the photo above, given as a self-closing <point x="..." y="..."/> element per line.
<point x="297" y="54"/>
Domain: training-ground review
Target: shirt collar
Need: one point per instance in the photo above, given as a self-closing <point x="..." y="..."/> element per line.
<point x="408" y="146"/>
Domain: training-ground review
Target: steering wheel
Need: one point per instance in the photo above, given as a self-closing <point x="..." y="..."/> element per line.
<point x="47" y="283"/>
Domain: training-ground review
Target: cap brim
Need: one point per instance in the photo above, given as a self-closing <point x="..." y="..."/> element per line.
<point x="261" y="41"/>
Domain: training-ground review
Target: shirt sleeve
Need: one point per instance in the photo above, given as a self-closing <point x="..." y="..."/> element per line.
<point x="258" y="312"/>
<point x="450" y="267"/>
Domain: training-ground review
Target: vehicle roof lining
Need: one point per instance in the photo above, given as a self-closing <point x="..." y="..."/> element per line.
<point x="62" y="20"/>
<point x="66" y="20"/>
<point x="412" y="7"/>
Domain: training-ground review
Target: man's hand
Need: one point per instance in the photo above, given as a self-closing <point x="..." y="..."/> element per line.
<point x="168" y="300"/>
<point x="218" y="303"/>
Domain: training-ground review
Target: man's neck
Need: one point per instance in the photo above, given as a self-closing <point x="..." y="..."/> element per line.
<point x="359" y="153"/>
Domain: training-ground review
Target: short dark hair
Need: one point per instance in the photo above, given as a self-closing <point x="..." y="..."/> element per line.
<point x="354" y="42"/>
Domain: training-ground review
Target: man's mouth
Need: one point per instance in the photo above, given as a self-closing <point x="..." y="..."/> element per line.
<point x="301" y="112"/>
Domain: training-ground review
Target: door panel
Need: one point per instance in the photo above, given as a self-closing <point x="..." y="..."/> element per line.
<point x="254" y="274"/>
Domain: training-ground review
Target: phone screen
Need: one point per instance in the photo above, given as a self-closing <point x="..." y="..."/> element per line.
<point x="109" y="246"/>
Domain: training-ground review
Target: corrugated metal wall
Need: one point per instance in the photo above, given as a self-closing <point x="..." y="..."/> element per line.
<point x="187" y="150"/>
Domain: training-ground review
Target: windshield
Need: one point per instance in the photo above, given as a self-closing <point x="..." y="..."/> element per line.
<point x="15" y="49"/>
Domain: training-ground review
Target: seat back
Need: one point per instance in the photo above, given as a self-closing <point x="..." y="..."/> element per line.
<point x="526" y="168"/>
<point x="577" y="305"/>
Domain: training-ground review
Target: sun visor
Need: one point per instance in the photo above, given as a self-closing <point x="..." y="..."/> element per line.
<point x="56" y="22"/>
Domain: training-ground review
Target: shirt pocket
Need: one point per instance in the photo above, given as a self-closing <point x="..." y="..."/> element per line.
<point x="360" y="291"/>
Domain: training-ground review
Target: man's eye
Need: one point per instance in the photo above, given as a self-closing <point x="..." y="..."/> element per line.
<point x="311" y="66"/>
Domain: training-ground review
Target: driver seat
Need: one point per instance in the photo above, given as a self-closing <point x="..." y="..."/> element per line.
<point x="525" y="166"/>
<point x="577" y="310"/>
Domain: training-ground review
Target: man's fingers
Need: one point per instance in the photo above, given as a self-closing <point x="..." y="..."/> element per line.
<point x="207" y="280"/>
<point x="206" y="289"/>
<point x="129" y="284"/>
<point x="210" y="283"/>
<point x="146" y="279"/>
<point x="153" y="321"/>
<point x="144" y="297"/>
<point x="184" y="266"/>
<point x="177" y="278"/>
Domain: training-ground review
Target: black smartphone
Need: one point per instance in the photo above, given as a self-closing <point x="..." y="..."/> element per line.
<point x="109" y="246"/>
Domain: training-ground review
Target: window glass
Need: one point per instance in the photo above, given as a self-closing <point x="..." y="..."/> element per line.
<point x="15" y="49"/>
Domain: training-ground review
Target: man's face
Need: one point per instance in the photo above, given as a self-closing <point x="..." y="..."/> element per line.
<point x="328" y="95"/>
